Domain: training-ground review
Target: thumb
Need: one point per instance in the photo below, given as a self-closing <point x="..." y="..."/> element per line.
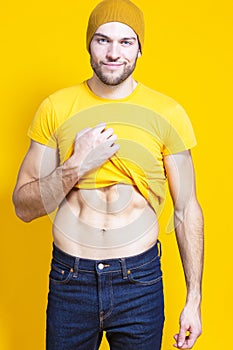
<point x="181" y="337"/>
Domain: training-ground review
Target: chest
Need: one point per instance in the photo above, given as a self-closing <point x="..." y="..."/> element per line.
<point x="140" y="132"/>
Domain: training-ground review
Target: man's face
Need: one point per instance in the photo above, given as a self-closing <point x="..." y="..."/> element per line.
<point x="114" y="50"/>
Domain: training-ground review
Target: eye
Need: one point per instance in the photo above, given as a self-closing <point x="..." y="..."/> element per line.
<point x="102" y="41"/>
<point x="126" y="43"/>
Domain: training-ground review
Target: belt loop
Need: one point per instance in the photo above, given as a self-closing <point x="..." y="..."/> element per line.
<point x="159" y="246"/>
<point x="76" y="263"/>
<point x="124" y="268"/>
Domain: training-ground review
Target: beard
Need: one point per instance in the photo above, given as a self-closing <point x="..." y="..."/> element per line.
<point x="112" y="79"/>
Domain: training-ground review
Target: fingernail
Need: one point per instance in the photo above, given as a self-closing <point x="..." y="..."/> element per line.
<point x="180" y="344"/>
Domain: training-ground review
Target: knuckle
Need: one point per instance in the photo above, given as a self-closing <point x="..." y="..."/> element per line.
<point x="92" y="132"/>
<point x="114" y="137"/>
<point x="110" y="130"/>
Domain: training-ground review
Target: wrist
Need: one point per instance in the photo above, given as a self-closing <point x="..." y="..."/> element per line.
<point x="69" y="172"/>
<point x="70" y="166"/>
<point x="194" y="297"/>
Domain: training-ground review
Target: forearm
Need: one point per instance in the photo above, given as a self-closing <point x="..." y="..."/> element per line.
<point x="42" y="196"/>
<point x="40" y="189"/>
<point x="190" y="238"/>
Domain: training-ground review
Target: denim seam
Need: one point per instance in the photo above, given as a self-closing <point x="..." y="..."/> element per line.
<point x="119" y="270"/>
<point x="81" y="270"/>
<point x="96" y="342"/>
<point x="146" y="263"/>
<point x="105" y="315"/>
<point x="62" y="263"/>
<point x="145" y="283"/>
<point x="131" y="268"/>
<point x="54" y="267"/>
<point x="65" y="281"/>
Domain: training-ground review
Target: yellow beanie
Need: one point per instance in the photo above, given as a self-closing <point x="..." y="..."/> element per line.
<point x="123" y="11"/>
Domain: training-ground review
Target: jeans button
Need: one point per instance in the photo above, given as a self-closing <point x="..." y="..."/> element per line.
<point x="100" y="266"/>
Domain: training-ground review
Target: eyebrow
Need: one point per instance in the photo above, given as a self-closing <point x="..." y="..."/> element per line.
<point x="107" y="37"/>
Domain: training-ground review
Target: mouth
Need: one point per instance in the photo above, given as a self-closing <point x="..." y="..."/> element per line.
<point x="112" y="65"/>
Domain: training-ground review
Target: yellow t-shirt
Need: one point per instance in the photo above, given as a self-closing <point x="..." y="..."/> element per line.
<point x="149" y="125"/>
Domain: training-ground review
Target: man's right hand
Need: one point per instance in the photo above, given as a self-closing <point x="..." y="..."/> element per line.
<point x="92" y="148"/>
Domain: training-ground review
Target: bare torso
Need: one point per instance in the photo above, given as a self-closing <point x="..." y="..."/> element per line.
<point x="109" y="222"/>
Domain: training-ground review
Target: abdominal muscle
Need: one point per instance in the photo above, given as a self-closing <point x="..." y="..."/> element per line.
<point x="104" y="223"/>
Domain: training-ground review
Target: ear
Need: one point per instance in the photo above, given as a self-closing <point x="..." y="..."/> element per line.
<point x="139" y="53"/>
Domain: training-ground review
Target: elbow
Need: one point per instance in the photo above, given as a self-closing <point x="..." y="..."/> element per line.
<point x="20" y="210"/>
<point x="190" y="212"/>
<point x="23" y="215"/>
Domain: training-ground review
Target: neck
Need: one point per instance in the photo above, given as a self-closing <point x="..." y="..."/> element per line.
<point x="112" y="92"/>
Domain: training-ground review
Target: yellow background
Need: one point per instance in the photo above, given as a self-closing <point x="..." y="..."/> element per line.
<point x="188" y="55"/>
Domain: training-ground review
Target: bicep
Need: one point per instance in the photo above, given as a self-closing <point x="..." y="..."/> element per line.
<point x="39" y="162"/>
<point x="181" y="178"/>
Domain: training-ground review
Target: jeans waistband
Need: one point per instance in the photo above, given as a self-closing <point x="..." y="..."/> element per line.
<point x="107" y="265"/>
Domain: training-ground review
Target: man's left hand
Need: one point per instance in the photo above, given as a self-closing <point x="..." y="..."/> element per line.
<point x="190" y="327"/>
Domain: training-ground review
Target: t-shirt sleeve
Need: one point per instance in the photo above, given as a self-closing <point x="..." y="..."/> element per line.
<point x="43" y="126"/>
<point x="180" y="135"/>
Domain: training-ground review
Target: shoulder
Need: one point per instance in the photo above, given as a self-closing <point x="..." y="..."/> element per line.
<point x="161" y="103"/>
<point x="171" y="118"/>
<point x="66" y="94"/>
<point x="157" y="95"/>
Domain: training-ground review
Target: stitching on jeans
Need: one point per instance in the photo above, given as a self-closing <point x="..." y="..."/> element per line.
<point x="65" y="281"/>
<point x="134" y="268"/>
<point x="145" y="283"/>
<point x="96" y="342"/>
<point x="101" y="318"/>
<point x="137" y="267"/>
<point x="54" y="267"/>
<point x="105" y="315"/>
<point x="81" y="270"/>
<point x="119" y="270"/>
<point x="62" y="263"/>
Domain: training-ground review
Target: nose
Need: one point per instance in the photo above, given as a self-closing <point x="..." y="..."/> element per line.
<point x="113" y="52"/>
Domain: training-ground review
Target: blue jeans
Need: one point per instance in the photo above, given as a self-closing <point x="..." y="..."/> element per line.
<point x="123" y="297"/>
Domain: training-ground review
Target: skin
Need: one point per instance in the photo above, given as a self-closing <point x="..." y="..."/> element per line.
<point x="43" y="185"/>
<point x="189" y="233"/>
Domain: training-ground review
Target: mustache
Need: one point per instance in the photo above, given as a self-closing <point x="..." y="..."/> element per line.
<point x="112" y="61"/>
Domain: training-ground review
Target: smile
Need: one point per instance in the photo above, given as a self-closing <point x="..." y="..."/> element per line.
<point x="112" y="65"/>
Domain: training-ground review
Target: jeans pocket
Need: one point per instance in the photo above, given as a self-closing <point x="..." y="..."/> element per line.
<point x="147" y="274"/>
<point x="60" y="273"/>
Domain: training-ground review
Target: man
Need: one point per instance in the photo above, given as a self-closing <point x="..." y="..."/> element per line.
<point x="109" y="190"/>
